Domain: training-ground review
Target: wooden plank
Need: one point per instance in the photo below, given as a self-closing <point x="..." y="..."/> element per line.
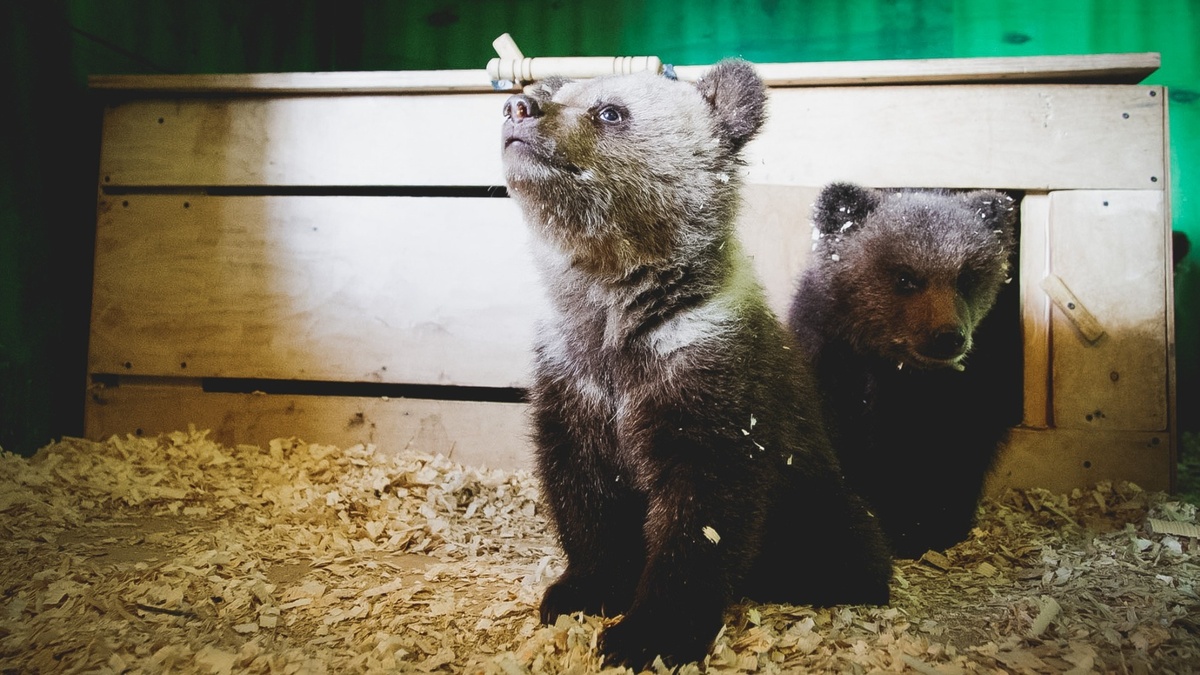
<point x="1034" y="259"/>
<point x="1082" y="68"/>
<point x="372" y="289"/>
<point x="473" y="433"/>
<point x="496" y="434"/>
<point x="1172" y="384"/>
<point x="379" y="289"/>
<point x="1072" y="308"/>
<point x="1030" y="137"/>
<point x="316" y="140"/>
<point x="1061" y="460"/>
<point x="257" y="84"/>
<point x="1107" y="68"/>
<point x="1017" y="137"/>
<point x="1109" y="249"/>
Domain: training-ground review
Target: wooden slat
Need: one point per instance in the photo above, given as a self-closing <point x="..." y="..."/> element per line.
<point x="378" y="289"/>
<point x="1072" y="308"/>
<point x="1083" y="68"/>
<point x="1035" y="308"/>
<point x="473" y="433"/>
<point x="1018" y="137"/>
<point x="496" y="434"/>
<point x="1108" y="248"/>
<point x="315" y="140"/>
<point x="1168" y="242"/>
<point x="256" y="84"/>
<point x="372" y="289"/>
<point x="1108" y="68"/>
<point x="1064" y="459"/>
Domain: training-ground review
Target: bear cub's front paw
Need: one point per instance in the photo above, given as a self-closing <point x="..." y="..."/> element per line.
<point x="566" y="597"/>
<point x="638" y="638"/>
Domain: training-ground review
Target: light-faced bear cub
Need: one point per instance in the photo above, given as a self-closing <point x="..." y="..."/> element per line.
<point x="678" y="439"/>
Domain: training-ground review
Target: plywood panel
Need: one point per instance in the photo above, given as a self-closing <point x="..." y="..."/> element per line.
<point x="1029" y="137"/>
<point x="473" y="433"/>
<point x="1018" y="136"/>
<point x="1064" y="459"/>
<point x="1108" y="248"/>
<point x="373" y="289"/>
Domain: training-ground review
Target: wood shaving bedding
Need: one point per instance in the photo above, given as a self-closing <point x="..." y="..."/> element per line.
<point x="178" y="554"/>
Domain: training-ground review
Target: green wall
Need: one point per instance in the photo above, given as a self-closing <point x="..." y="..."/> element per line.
<point x="49" y="155"/>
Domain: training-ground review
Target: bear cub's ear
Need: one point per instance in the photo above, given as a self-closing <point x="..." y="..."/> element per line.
<point x="996" y="209"/>
<point x="738" y="99"/>
<point x="843" y="206"/>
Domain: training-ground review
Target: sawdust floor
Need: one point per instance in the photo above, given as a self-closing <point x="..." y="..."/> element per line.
<point x="177" y="554"/>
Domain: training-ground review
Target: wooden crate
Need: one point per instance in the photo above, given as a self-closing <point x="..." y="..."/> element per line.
<point x="331" y="255"/>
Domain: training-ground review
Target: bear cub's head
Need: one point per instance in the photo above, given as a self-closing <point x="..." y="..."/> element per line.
<point x="911" y="273"/>
<point x="621" y="171"/>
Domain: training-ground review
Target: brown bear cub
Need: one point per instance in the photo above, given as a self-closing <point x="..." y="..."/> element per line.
<point x="677" y="434"/>
<point x="894" y="300"/>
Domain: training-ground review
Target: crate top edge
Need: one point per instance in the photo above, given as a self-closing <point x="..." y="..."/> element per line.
<point x="1121" y="68"/>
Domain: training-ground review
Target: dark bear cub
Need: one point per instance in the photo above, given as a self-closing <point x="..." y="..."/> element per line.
<point x="908" y="320"/>
<point x="678" y="440"/>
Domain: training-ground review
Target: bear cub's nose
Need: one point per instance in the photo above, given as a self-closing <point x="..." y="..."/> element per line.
<point x="520" y="106"/>
<point x="946" y="343"/>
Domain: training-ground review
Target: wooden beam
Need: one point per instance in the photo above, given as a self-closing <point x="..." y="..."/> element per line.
<point x="474" y="433"/>
<point x="1074" y="69"/>
<point x="1129" y="68"/>
<point x="1018" y="137"/>
<point x="346" y="82"/>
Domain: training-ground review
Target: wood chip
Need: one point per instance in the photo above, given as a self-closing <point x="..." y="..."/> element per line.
<point x="1159" y="526"/>
<point x="986" y="569"/>
<point x="179" y="554"/>
<point x="1049" y="612"/>
<point x="936" y="560"/>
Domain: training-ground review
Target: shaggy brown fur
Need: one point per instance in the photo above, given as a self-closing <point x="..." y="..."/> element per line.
<point x="678" y="439"/>
<point x="888" y="311"/>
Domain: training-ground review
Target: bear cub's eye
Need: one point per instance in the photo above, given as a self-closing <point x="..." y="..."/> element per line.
<point x="610" y="115"/>
<point x="907" y="281"/>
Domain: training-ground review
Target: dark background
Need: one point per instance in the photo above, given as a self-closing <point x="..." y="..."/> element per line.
<point x="49" y="156"/>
